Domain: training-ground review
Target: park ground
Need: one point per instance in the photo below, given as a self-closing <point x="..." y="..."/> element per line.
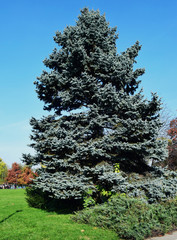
<point x="19" y="221"/>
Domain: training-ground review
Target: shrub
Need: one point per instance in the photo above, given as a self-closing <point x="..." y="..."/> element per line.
<point x="38" y="199"/>
<point x="131" y="218"/>
<point x="35" y="198"/>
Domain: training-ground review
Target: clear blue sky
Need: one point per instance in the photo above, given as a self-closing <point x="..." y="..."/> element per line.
<point x="27" y="28"/>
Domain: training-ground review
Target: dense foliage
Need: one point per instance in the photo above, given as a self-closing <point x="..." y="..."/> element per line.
<point x="19" y="175"/>
<point x="27" y="176"/>
<point x="13" y="174"/>
<point x="131" y="218"/>
<point x="100" y="119"/>
<point x="158" y="185"/>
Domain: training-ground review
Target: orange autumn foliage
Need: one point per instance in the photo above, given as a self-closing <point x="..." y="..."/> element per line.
<point x="17" y="175"/>
<point x="26" y="177"/>
<point x="13" y="173"/>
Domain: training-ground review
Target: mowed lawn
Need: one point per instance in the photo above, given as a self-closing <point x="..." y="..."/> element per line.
<point x="19" y="221"/>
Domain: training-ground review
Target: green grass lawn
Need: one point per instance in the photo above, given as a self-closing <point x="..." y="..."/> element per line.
<point x="18" y="221"/>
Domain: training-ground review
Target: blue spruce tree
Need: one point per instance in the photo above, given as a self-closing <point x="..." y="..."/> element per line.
<point x="100" y="118"/>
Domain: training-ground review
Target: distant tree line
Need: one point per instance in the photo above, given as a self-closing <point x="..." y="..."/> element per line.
<point x="17" y="174"/>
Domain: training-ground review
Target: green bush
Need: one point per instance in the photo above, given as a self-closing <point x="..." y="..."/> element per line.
<point x="131" y="218"/>
<point x="35" y="198"/>
<point x="38" y="199"/>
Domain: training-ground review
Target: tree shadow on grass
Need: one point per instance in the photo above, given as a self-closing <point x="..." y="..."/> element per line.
<point x="10" y="216"/>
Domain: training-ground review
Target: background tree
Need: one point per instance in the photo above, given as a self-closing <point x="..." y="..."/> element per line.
<point x="26" y="177"/>
<point x="13" y="174"/>
<point x="3" y="171"/>
<point x="172" y="146"/>
<point x="165" y="116"/>
<point x="108" y="122"/>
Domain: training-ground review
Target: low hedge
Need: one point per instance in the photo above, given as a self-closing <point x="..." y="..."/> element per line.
<point x="131" y="218"/>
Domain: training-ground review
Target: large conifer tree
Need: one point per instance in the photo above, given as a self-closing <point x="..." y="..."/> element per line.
<point x="112" y="122"/>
